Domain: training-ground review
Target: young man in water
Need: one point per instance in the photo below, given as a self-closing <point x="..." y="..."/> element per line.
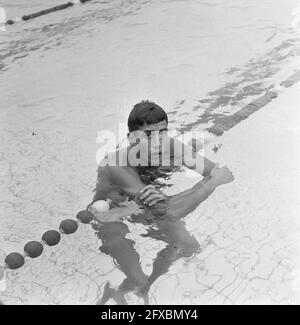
<point x="148" y="126"/>
<point x="151" y="151"/>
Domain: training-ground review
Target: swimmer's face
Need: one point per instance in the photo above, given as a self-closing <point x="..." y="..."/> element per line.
<point x="151" y="138"/>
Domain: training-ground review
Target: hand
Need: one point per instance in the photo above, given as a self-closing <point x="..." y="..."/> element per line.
<point x="149" y="195"/>
<point x="222" y="175"/>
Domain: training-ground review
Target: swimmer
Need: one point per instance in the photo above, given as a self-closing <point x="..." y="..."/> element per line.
<point x="148" y="126"/>
<point x="147" y="134"/>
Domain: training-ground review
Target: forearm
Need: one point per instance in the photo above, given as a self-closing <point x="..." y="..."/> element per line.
<point x="200" y="164"/>
<point x="208" y="166"/>
<point x="182" y="204"/>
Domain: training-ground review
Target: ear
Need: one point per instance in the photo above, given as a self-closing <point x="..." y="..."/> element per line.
<point x="131" y="138"/>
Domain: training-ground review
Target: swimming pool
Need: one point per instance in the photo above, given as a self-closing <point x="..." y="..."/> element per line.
<point x="68" y="75"/>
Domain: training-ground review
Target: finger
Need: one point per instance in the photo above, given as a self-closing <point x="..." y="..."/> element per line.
<point x="149" y="190"/>
<point x="151" y="198"/>
<point x="146" y="188"/>
<point x="154" y="202"/>
<point x="151" y="204"/>
<point x="159" y="205"/>
<point x="143" y="192"/>
<point x="154" y="197"/>
<point x="146" y="194"/>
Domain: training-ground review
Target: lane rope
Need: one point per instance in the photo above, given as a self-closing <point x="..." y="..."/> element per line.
<point x="45" y="11"/>
<point x="227" y="122"/>
<point x="34" y="249"/>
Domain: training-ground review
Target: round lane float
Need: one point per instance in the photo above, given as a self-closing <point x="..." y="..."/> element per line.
<point x="51" y="237"/>
<point x="68" y="226"/>
<point x="85" y="216"/>
<point x="33" y="249"/>
<point x="14" y="260"/>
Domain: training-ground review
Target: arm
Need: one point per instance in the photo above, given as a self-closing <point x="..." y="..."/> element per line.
<point x="124" y="179"/>
<point x="181" y="204"/>
<point x="127" y="179"/>
<point x="185" y="202"/>
<point x="177" y="206"/>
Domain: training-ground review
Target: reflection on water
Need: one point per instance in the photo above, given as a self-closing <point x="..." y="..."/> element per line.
<point x="180" y="243"/>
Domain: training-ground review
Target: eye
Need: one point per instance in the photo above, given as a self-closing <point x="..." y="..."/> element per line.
<point x="161" y="132"/>
<point x="148" y="133"/>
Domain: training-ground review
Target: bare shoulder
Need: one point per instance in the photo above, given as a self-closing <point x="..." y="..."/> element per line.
<point x="122" y="175"/>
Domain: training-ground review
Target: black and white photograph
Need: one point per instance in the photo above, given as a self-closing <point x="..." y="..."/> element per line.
<point x="149" y="153"/>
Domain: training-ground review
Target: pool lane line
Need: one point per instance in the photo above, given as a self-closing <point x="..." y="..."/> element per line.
<point x="227" y="122"/>
<point x="45" y="11"/>
<point x="34" y="249"/>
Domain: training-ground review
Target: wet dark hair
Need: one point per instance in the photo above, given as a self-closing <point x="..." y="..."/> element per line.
<point x="145" y="112"/>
